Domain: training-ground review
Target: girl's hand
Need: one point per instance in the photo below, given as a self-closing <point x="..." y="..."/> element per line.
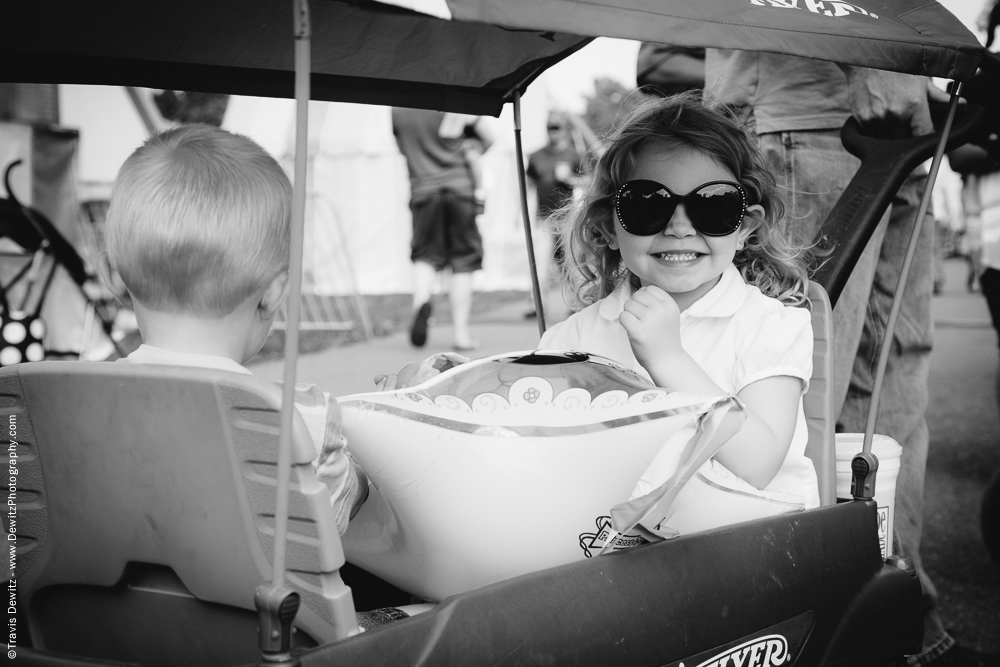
<point x="652" y="321"/>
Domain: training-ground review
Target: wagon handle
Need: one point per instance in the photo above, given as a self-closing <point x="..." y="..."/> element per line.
<point x="885" y="164"/>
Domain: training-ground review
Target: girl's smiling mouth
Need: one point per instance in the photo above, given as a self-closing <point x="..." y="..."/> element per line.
<point x="677" y="255"/>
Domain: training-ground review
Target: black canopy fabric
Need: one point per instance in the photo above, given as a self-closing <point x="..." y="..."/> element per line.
<point x="375" y="53"/>
<point x="362" y="52"/>
<point x="914" y="36"/>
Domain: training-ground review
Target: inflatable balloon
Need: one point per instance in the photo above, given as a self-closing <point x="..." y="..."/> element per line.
<point x="512" y="463"/>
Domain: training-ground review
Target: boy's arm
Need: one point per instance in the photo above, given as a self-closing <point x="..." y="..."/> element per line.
<point x="362" y="495"/>
<point x="337" y="469"/>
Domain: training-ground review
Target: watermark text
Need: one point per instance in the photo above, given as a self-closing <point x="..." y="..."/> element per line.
<point x="12" y="617"/>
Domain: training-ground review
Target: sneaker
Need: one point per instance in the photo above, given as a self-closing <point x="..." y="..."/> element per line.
<point x="418" y="330"/>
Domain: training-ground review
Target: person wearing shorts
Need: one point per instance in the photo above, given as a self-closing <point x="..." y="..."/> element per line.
<point x="445" y="234"/>
<point x="441" y="151"/>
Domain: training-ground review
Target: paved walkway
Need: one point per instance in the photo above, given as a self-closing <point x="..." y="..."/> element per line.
<point x="350" y="369"/>
<point x="964" y="421"/>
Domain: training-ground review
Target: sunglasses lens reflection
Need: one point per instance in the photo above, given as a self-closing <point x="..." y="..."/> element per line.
<point x="717" y="208"/>
<point x="645" y="211"/>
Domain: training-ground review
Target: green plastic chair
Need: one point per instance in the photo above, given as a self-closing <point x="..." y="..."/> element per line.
<point x="146" y="502"/>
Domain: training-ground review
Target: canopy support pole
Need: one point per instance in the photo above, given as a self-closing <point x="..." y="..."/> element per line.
<point x="276" y="603"/>
<point x="536" y="291"/>
<point x="897" y="300"/>
<point x="303" y="66"/>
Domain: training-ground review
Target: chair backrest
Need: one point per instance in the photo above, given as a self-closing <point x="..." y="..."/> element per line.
<point x="818" y="401"/>
<point x="144" y="478"/>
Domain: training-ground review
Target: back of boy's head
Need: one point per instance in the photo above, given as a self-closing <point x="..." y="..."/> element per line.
<point x="198" y="221"/>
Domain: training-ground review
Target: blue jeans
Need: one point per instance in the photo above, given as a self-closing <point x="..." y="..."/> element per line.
<point x="812" y="169"/>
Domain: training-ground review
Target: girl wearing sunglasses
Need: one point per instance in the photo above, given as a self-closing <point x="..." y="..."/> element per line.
<point x="677" y="253"/>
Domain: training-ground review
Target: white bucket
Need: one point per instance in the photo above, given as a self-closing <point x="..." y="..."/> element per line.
<point x="889" y="454"/>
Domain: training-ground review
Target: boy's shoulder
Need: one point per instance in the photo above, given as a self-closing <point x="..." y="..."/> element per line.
<point x="148" y="354"/>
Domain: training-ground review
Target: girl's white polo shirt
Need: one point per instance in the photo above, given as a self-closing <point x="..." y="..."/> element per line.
<point x="736" y="334"/>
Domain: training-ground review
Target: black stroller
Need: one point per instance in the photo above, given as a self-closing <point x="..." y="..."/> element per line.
<point x="35" y="251"/>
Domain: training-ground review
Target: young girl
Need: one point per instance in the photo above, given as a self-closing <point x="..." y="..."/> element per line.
<point x="677" y="249"/>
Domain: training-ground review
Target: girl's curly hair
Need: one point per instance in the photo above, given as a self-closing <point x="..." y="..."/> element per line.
<point x="768" y="260"/>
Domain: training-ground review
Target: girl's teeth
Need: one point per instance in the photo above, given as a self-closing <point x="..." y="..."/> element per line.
<point x="679" y="257"/>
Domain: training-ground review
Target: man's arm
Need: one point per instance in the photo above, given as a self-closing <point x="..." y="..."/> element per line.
<point x="890" y="104"/>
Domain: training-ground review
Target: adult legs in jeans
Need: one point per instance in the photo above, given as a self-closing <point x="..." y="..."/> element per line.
<point x="812" y="169"/>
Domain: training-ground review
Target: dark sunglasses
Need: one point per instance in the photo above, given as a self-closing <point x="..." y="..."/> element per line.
<point x="715" y="208"/>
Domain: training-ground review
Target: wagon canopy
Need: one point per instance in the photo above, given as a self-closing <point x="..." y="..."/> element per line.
<point x="364" y="52"/>
<point x="379" y="53"/>
<point x="913" y="36"/>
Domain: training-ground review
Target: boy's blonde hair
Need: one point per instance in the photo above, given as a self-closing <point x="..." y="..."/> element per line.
<point x="198" y="221"/>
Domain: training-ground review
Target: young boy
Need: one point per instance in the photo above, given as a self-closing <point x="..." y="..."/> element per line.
<point x="197" y="244"/>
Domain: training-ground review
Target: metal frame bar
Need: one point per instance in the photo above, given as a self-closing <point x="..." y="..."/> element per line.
<point x="897" y="300"/>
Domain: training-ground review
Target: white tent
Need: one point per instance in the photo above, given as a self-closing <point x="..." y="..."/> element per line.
<point x="357" y="219"/>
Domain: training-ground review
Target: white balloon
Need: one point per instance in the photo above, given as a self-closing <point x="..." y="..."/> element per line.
<point x="501" y="467"/>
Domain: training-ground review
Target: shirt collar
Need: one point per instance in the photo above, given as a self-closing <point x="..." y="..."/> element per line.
<point x="723" y="300"/>
<point x="147" y="354"/>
